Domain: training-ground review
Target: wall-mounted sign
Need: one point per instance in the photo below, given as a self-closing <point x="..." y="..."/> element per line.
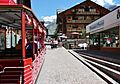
<point x="97" y="25"/>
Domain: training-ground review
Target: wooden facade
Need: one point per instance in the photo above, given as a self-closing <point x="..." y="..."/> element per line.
<point x="72" y="22"/>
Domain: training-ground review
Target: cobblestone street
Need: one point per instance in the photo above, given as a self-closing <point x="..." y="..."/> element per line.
<point x="60" y="67"/>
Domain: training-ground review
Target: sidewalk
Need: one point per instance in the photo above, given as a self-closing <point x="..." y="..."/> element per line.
<point x="60" y="67"/>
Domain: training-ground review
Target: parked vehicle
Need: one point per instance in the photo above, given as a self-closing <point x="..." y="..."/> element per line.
<point x="54" y="44"/>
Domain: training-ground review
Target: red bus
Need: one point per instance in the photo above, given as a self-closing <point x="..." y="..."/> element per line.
<point x="22" y="46"/>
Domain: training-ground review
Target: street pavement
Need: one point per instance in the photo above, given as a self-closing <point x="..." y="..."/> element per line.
<point x="61" y="67"/>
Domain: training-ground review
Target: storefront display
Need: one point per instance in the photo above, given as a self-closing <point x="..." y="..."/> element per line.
<point x="105" y="32"/>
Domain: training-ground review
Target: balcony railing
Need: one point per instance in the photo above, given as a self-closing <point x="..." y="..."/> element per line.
<point x="79" y="21"/>
<point x="77" y="30"/>
<point x="88" y="13"/>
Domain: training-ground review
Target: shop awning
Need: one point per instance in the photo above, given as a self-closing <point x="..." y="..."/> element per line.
<point x="63" y="36"/>
<point x="75" y="33"/>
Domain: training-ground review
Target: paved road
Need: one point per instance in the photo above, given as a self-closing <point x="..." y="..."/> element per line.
<point x="60" y="67"/>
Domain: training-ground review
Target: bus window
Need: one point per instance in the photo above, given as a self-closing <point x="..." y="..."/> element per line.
<point x="8" y="41"/>
<point x="29" y="45"/>
<point x="2" y="39"/>
<point x="8" y="37"/>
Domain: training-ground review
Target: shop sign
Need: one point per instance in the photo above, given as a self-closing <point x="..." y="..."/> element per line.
<point x="97" y="25"/>
<point x="118" y="14"/>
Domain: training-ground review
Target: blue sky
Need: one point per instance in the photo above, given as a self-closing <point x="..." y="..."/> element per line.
<point x="47" y="8"/>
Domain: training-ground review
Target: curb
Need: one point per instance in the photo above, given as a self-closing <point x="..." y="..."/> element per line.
<point x="97" y="71"/>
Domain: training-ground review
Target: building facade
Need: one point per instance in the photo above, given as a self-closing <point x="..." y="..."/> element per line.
<point x="104" y="33"/>
<point x="72" y="22"/>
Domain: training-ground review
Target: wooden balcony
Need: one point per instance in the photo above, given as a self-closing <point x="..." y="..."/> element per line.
<point x="79" y="21"/>
<point x="88" y="13"/>
<point x="77" y="30"/>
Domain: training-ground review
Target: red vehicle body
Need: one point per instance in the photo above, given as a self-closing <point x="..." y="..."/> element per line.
<point x="20" y="66"/>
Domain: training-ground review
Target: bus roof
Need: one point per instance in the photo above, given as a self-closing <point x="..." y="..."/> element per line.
<point x="12" y="13"/>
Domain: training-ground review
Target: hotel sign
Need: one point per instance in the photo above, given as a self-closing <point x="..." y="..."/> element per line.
<point x="97" y="25"/>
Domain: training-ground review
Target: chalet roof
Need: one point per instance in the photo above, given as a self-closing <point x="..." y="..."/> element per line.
<point x="83" y="3"/>
<point x="115" y="8"/>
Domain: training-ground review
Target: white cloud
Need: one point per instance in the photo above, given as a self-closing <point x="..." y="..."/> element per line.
<point x="103" y="2"/>
<point x="110" y="2"/>
<point x="100" y="2"/>
<point x="49" y="18"/>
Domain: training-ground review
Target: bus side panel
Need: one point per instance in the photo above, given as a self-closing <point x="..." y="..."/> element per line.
<point x="11" y="71"/>
<point x="28" y="71"/>
<point x="7" y="2"/>
<point x="37" y="65"/>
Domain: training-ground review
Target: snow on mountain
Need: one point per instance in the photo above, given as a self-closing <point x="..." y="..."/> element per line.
<point x="50" y="23"/>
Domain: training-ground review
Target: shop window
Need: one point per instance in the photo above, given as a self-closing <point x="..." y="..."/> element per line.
<point x="94" y="39"/>
<point x="110" y="38"/>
